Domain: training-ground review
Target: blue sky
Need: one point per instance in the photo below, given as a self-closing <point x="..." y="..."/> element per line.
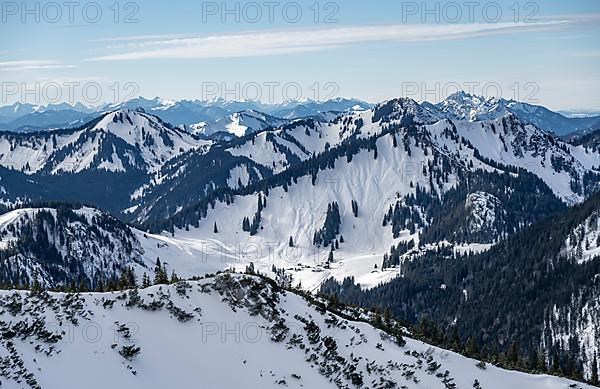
<point x="546" y="53"/>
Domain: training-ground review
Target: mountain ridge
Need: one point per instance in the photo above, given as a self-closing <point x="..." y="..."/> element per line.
<point x="460" y="105"/>
<point x="313" y="346"/>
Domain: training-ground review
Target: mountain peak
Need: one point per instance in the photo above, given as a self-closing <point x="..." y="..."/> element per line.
<point x="398" y="108"/>
<point x="461" y="95"/>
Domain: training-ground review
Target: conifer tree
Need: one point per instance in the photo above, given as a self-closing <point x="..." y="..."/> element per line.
<point x="455" y="343"/>
<point x="37" y="287"/>
<point x="355" y="208"/>
<point x="127" y="279"/>
<point x="160" y="275"/>
<point x="145" y="281"/>
<point x="471" y="348"/>
<point x="556" y="369"/>
<point x="541" y="362"/>
<point x="215" y="228"/>
<point x="100" y="285"/>
<point x="594" y="375"/>
<point x="513" y="354"/>
<point x="291" y="242"/>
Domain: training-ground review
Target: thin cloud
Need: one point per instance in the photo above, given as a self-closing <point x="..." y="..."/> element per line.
<point x="284" y="42"/>
<point x="142" y="37"/>
<point x="36" y="64"/>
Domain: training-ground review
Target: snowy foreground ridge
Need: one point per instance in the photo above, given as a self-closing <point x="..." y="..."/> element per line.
<point x="227" y="331"/>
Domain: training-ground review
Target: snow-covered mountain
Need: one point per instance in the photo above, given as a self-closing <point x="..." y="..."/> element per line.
<point x="11" y="112"/>
<point x="28" y="117"/>
<point x="116" y="141"/>
<point x="237" y="124"/>
<point x="506" y="141"/>
<point x="393" y="163"/>
<point x="465" y="106"/>
<point x="101" y="163"/>
<point x="583" y="242"/>
<point x="538" y="288"/>
<point x="175" y="169"/>
<point x="589" y="141"/>
<point x="400" y="147"/>
<point x="361" y="195"/>
<point x="122" y="339"/>
<point x="48" y="120"/>
<point x="190" y="112"/>
<point x="513" y="142"/>
<point x="178" y="113"/>
<point x="57" y="246"/>
<point x="311" y="108"/>
<point x="459" y="106"/>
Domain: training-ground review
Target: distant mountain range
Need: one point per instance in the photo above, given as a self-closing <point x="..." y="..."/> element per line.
<point x="464" y="106"/>
<point x="29" y="118"/>
<point x="210" y="117"/>
<point x="237" y="124"/>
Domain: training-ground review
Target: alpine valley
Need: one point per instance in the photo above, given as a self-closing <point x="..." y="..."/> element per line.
<point x="401" y="244"/>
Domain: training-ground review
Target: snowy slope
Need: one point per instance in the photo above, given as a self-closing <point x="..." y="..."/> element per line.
<point x="31" y="152"/>
<point x="128" y="141"/>
<point x="576" y="324"/>
<point x="429" y="159"/>
<point x="583" y="242"/>
<point x="60" y="246"/>
<point x="189" y="112"/>
<point x="510" y="141"/>
<point x="115" y="142"/>
<point x="484" y="210"/>
<point x="299" y="210"/>
<point x="227" y="331"/>
<point x="405" y="147"/>
<point x="312" y="108"/>
<point x="238" y="124"/>
<point x="465" y="106"/>
<point x="102" y="250"/>
<point x="506" y="140"/>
